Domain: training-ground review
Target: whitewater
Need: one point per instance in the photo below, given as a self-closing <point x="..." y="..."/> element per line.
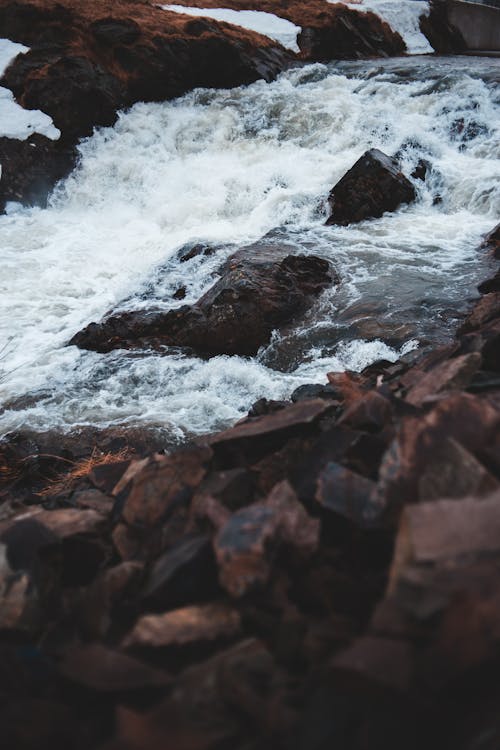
<point x="228" y="168"/>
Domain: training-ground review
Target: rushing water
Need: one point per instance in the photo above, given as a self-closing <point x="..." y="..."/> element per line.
<point x="228" y="167"/>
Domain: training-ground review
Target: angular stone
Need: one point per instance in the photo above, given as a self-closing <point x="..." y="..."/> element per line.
<point x="187" y="626"/>
<point x="260" y="289"/>
<point x="446" y="532"/>
<point x="421" y="443"/>
<point x="163" y="483"/>
<point x="488" y="308"/>
<point x="452" y="375"/>
<point x="184" y="574"/>
<point x="341" y="491"/>
<point x="247" y="545"/>
<point x="370" y="413"/>
<point x="254" y="438"/>
<point x="371" y="187"/>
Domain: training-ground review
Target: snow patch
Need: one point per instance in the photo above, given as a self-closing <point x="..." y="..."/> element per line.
<point x="267" y="24"/>
<point x="16" y="122"/>
<point x="402" y="16"/>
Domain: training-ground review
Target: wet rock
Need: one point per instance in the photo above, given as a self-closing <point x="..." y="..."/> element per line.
<point x="371" y="187"/>
<point x="195" y="251"/>
<point x="488" y="308"/>
<point x="259" y="290"/>
<point x="180" y="293"/>
<point x="491" y="242"/>
<point x="490" y="285"/>
<point x="305" y="392"/>
<point x="264" y="406"/>
<point x="247" y="545"/>
<point x="420" y="171"/>
<point x="254" y="438"/>
<point x="443" y="37"/>
<point x="30" y="168"/>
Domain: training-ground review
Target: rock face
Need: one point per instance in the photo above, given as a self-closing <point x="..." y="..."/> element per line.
<point x="256" y="294"/>
<point x="442" y="35"/>
<point x="329" y="31"/>
<point x="371" y="187"/>
<point x="31" y="167"/>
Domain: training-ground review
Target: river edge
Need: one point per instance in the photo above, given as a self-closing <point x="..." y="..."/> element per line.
<point x="318" y="534"/>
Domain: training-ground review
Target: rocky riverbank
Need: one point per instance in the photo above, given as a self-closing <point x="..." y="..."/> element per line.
<point x="288" y="582"/>
<point x="322" y="574"/>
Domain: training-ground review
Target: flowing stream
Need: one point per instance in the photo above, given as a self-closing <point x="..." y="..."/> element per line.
<point x="228" y="168"/>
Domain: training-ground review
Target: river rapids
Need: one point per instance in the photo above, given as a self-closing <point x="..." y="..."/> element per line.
<point x="228" y="168"/>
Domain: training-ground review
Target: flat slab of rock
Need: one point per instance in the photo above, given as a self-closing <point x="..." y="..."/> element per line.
<point x="260" y="289"/>
<point x="371" y="187"/>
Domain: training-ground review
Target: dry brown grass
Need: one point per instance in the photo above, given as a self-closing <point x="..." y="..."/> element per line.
<point x="64" y="481"/>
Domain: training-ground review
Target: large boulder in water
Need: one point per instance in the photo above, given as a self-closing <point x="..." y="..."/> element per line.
<point x="260" y="289"/>
<point x="371" y="187"/>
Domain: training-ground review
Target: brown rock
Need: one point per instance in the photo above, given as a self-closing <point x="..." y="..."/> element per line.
<point x="186" y="626"/>
<point x="453" y="374"/>
<point x="260" y="289"/>
<point x="422" y="449"/>
<point x="445" y="532"/>
<point x="247" y="545"/>
<point x="370" y="413"/>
<point x="164" y="482"/>
<point x="371" y="187"/>
<point x="184" y="574"/>
<point x="349" y="495"/>
<point x="254" y="438"/>
<point x="106" y="671"/>
<point x="488" y="308"/>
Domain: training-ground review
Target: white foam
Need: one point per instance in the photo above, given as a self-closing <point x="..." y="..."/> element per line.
<point x="267" y="24"/>
<point x="228" y="167"/>
<point x="402" y="16"/>
<point x="15" y="121"/>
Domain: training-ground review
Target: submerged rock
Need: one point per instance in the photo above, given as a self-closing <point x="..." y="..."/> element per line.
<point x="258" y="291"/>
<point x="371" y="187"/>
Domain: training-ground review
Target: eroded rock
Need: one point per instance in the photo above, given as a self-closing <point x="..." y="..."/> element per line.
<point x="371" y="187"/>
<point x="260" y="289"/>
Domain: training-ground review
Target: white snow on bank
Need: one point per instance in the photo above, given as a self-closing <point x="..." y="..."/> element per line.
<point x="402" y="16"/>
<point x="282" y="31"/>
<point x="16" y="122"/>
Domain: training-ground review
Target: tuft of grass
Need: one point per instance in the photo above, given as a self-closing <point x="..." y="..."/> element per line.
<point x="66" y="480"/>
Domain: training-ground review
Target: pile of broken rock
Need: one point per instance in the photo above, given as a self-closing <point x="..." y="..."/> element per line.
<point x="323" y="574"/>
